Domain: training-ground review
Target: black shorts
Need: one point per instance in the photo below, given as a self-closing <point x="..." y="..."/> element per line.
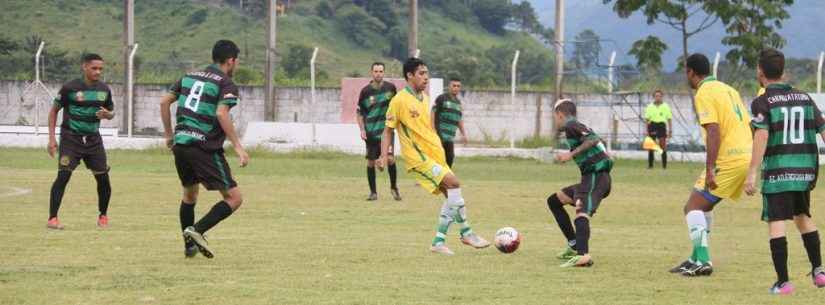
<point x="785" y="205"/>
<point x="591" y="190"/>
<point x="449" y="152"/>
<point x="374" y="150"/>
<point x="74" y="148"/>
<point x="657" y="130"/>
<point x="196" y="165"/>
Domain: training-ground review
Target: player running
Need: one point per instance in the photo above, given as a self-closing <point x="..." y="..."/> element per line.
<point x="447" y="117"/>
<point x="588" y="151"/>
<point x="421" y="149"/>
<point x="786" y="122"/>
<point x="724" y="120"/>
<point x="372" y="110"/>
<point x="84" y="102"/>
<point x="203" y="123"/>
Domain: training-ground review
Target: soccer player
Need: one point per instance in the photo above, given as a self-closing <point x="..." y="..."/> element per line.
<point x="447" y="118"/>
<point x="372" y="110"/>
<point x="421" y="149"/>
<point x="786" y="122"/>
<point x="203" y="123"/>
<point x="725" y="128"/>
<point x="588" y="151"/>
<point x="84" y="102"/>
<point x="659" y="125"/>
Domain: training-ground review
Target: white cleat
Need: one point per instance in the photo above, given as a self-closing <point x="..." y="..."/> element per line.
<point x="475" y="241"/>
<point x="441" y="248"/>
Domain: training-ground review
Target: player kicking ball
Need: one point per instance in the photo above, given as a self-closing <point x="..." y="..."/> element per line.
<point x="786" y="122"/>
<point x="409" y="112"/>
<point x="588" y="151"/>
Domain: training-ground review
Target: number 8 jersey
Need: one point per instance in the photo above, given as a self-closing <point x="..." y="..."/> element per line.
<point x="198" y="96"/>
<point x="793" y="121"/>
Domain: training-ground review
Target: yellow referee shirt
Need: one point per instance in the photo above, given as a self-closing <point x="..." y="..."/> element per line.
<point x="718" y="103"/>
<point x="410" y="117"/>
<point x="658" y="113"/>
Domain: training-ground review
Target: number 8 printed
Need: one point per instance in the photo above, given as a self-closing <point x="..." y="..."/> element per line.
<point x="194" y="99"/>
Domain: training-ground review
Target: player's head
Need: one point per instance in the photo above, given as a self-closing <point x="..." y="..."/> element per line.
<point x="92" y="67"/>
<point x="455" y="86"/>
<point x="771" y="65"/>
<point x="698" y="67"/>
<point x="377" y="71"/>
<point x="225" y="53"/>
<point x="416" y="73"/>
<point x="562" y="110"/>
<point x="658" y="95"/>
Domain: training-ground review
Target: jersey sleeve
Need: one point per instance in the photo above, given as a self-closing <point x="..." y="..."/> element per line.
<point x="175" y="88"/>
<point x="228" y="94"/>
<point x="362" y="110"/>
<point x="438" y="105"/>
<point x="60" y="100"/>
<point x="668" y="113"/>
<point x="108" y="103"/>
<point x="393" y="113"/>
<point x="761" y="114"/>
<point x="577" y="130"/>
<point x="705" y="110"/>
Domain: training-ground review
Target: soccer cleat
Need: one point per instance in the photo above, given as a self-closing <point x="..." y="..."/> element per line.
<point x="395" y="194"/>
<point x="785" y="288"/>
<point x="578" y="261"/>
<point x="192" y="236"/>
<point x="567" y="254"/>
<point x="191" y="251"/>
<point x="698" y="269"/>
<point x="818" y="276"/>
<point x="372" y="197"/>
<point x="103" y="221"/>
<point x="475" y="241"/>
<point x="54" y="224"/>
<point x="441" y="248"/>
<point x="687" y="264"/>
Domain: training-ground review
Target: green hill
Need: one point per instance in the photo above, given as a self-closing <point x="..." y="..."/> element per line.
<point x="175" y="35"/>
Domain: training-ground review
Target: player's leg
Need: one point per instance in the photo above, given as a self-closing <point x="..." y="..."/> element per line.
<point x="810" y="238"/>
<point x="189" y="183"/>
<point x="699" y="263"/>
<point x="650" y="158"/>
<point x="663" y="145"/>
<point x="95" y="160"/>
<point x="458" y="212"/>
<point x="373" y="152"/>
<point x="593" y="188"/>
<point x="68" y="159"/>
<point x="393" y="172"/>
<point x="449" y="152"/>
<point x="776" y="209"/>
<point x="556" y="204"/>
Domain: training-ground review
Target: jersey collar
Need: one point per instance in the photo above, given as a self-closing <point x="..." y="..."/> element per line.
<point x="707" y="79"/>
<point x="410" y="90"/>
<point x="780" y="86"/>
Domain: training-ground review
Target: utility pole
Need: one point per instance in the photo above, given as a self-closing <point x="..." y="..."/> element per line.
<point x="270" y="106"/>
<point x="412" y="39"/>
<point x="128" y="44"/>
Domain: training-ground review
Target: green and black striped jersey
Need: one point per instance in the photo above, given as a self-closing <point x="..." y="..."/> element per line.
<point x="447" y="112"/>
<point x="372" y="106"/>
<point x="198" y="95"/>
<point x="793" y="120"/>
<point x="80" y="102"/>
<point x="594" y="159"/>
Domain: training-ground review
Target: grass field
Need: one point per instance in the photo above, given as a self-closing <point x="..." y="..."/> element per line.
<point x="305" y="235"/>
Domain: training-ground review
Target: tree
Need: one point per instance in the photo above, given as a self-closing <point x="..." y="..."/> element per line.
<point x="7" y="46"/>
<point x="525" y="17"/>
<point x="493" y="14"/>
<point x="362" y="28"/>
<point x="586" y="53"/>
<point x="752" y="26"/>
<point x="648" y="53"/>
<point x="296" y="61"/>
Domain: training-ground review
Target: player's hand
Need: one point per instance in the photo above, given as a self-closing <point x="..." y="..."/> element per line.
<point x="52" y="148"/>
<point x="669" y="134"/>
<point x="563" y="157"/>
<point x="750" y="184"/>
<point x="103" y="113"/>
<point x="242" y="155"/>
<point x="363" y="135"/>
<point x="464" y="139"/>
<point x="379" y="163"/>
<point x="710" y="179"/>
<point x="170" y="141"/>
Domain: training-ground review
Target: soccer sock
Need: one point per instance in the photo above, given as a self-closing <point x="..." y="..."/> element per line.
<point x="393" y="176"/>
<point x="811" y="241"/>
<point x="562" y="219"/>
<point x="709" y="220"/>
<point x="219" y="211"/>
<point x="187" y="216"/>
<point x="58" y="188"/>
<point x="779" y="254"/>
<point x="444" y="219"/>
<point x="664" y="159"/>
<point x="456" y="204"/>
<point x="649" y="158"/>
<point x="371" y="178"/>
<point x="104" y="192"/>
<point x="582" y="235"/>
<point x="697" y="226"/>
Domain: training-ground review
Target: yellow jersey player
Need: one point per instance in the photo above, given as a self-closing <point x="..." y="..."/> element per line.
<point x="725" y="128"/>
<point x="409" y="113"/>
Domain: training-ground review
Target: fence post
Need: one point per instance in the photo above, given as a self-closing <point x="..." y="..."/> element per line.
<point x="819" y="72"/>
<point x="130" y="86"/>
<point x="615" y="123"/>
<point x="513" y="98"/>
<point x="37" y="81"/>
<point x="716" y="65"/>
<point x="312" y="90"/>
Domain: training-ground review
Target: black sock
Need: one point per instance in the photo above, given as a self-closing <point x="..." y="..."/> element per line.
<point x="562" y="219"/>
<point x="779" y="254"/>
<point x="58" y="188"/>
<point x="649" y="158"/>
<point x="582" y="235"/>
<point x="219" y="211"/>
<point x="393" y="176"/>
<point x="104" y="192"/>
<point x="187" y="216"/>
<point x="371" y="178"/>
<point x="664" y="159"/>
<point x="811" y="241"/>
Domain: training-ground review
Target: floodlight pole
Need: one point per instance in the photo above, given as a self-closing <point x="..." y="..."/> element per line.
<point x="513" y="98"/>
<point x="716" y="65"/>
<point x="37" y="81"/>
<point x="819" y="72"/>
<point x="130" y="86"/>
<point x="270" y="109"/>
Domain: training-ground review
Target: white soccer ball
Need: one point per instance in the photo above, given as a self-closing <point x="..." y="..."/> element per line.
<point x="507" y="240"/>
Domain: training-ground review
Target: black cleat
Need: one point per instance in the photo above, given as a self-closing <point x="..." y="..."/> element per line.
<point x="395" y="194"/>
<point x="200" y="241"/>
<point x="372" y="197"/>
<point x="698" y="270"/>
<point x="687" y="264"/>
<point x="191" y="250"/>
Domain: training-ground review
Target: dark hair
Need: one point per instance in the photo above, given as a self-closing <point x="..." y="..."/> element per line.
<point x="455" y="79"/>
<point x="88" y="57"/>
<point x="658" y="91"/>
<point x="565" y="106"/>
<point x="223" y="50"/>
<point x="772" y="63"/>
<point x="699" y="63"/>
<point x="377" y="63"/>
<point x="411" y="65"/>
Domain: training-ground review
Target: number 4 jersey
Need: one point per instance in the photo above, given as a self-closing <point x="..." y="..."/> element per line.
<point x="198" y="95"/>
<point x="718" y="103"/>
<point x="793" y="121"/>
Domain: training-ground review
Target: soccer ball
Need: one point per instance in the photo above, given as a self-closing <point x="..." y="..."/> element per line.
<point x="507" y="240"/>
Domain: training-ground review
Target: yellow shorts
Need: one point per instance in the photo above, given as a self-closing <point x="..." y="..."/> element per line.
<point x="429" y="175"/>
<point x="730" y="182"/>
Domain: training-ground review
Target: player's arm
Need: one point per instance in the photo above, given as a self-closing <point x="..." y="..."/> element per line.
<point x="107" y="111"/>
<point x="669" y="128"/>
<point x="166" y="116"/>
<point x="359" y="116"/>
<point x="52" y="148"/>
<point x="714" y="140"/>
<point x="386" y="141"/>
<point x="225" y="120"/>
<point x="760" y="144"/>
<point x="463" y="133"/>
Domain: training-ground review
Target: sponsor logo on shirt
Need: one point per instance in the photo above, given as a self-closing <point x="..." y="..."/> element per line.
<point x="79" y="96"/>
<point x="759" y="118"/>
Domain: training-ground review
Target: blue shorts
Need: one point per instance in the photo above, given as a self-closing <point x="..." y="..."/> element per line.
<point x="708" y="196"/>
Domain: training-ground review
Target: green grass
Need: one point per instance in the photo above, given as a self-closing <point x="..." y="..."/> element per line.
<point x="305" y="235"/>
